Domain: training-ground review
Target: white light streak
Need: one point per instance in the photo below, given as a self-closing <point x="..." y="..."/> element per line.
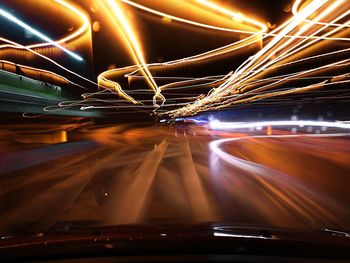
<point x="220" y="234"/>
<point x="35" y="32"/>
<point x="218" y="125"/>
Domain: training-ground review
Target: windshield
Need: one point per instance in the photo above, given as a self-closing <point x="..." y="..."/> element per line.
<point x="174" y="112"/>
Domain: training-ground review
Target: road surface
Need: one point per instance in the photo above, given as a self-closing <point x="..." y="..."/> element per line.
<point x="122" y="174"/>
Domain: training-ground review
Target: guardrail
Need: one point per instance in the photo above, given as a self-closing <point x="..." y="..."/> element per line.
<point x="22" y="82"/>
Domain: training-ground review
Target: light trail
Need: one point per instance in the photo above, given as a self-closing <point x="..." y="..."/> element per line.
<point x="261" y="26"/>
<point x="258" y="169"/>
<point x="293" y="76"/>
<point x="248" y="69"/>
<point x="35" y="32"/>
<point x="217" y="149"/>
<point x="234" y="15"/>
<point x="243" y="18"/>
<point x="134" y="46"/>
<point x="251" y="71"/>
<point x="32" y="48"/>
<point x="218" y="125"/>
<point x="269" y="175"/>
<point x="36" y="48"/>
<point x="241" y="71"/>
<point x="85" y="27"/>
<point x="60" y="107"/>
<point x="293" y="43"/>
<point x="203" y="56"/>
<point x="17" y="45"/>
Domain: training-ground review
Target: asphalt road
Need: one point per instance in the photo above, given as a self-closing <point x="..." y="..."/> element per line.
<point x="122" y="174"/>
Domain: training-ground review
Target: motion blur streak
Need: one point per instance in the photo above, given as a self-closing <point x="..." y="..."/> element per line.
<point x="261" y="26"/>
<point x="276" y="51"/>
<point x="37" y="49"/>
<point x="255" y="36"/>
<point x="299" y="40"/>
<point x="85" y="27"/>
<point x="17" y="45"/>
<point x="236" y="16"/>
<point x="134" y="44"/>
<point x="224" y="88"/>
<point x="75" y="34"/>
<point x="300" y="199"/>
<point x="38" y="34"/>
<point x="218" y="125"/>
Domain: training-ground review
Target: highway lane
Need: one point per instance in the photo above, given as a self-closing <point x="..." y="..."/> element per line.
<point x="126" y="174"/>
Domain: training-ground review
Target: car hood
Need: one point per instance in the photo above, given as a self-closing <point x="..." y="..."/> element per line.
<point x="67" y="240"/>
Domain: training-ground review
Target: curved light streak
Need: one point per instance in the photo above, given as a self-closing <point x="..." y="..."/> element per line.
<point x="17" y="45"/>
<point x="216" y="148"/>
<point x="144" y="67"/>
<point x="75" y="34"/>
<point x="233" y="14"/>
<point x="283" y="46"/>
<point x="135" y="47"/>
<point x="32" y="48"/>
<point x="262" y="27"/>
<point x="35" y="32"/>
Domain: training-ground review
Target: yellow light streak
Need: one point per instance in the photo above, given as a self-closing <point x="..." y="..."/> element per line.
<point x="135" y="47"/>
<point x="295" y="41"/>
<point x="266" y="58"/>
<point x="238" y="16"/>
